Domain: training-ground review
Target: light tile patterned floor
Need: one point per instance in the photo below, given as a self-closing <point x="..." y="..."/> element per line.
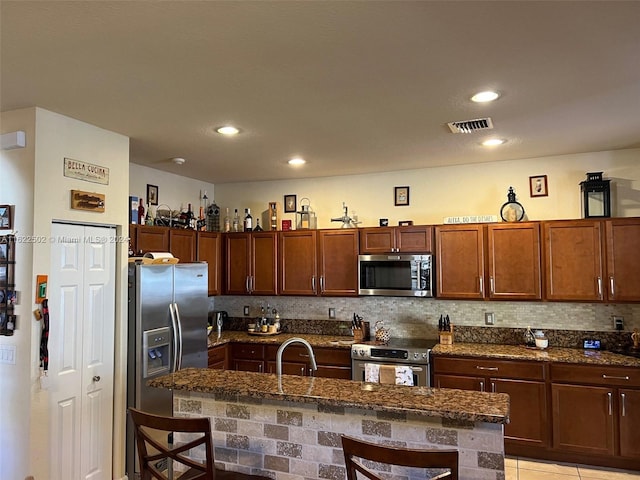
<point x="527" y="469"/>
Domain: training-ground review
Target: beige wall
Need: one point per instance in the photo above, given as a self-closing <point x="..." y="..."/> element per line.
<point x="42" y="194"/>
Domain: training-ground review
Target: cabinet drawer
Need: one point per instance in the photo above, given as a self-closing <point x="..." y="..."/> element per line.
<point x="324" y="356"/>
<point x="595" y="375"/>
<point x="489" y="368"/>
<point x="248" y="350"/>
<point x="217" y="354"/>
<point x="293" y="353"/>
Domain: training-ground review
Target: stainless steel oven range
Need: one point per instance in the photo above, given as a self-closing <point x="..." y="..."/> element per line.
<point x="412" y="352"/>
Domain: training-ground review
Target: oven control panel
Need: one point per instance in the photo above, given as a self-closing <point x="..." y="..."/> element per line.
<point x="388" y="354"/>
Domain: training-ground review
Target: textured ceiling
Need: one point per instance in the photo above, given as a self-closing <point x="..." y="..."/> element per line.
<point x="352" y="86"/>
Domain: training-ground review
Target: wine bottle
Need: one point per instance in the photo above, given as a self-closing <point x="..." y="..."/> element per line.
<point x="248" y="220"/>
<point x="191" y="218"/>
<point x="141" y="212"/>
<point x="258" y="227"/>
<point x="227" y="221"/>
<point x="236" y="221"/>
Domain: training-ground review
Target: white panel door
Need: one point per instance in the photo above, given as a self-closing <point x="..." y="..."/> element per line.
<point x="81" y="296"/>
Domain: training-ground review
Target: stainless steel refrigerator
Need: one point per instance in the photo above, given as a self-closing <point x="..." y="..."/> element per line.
<point x="168" y="310"/>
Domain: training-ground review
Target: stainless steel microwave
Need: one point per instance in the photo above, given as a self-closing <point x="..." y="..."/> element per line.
<point x="395" y="275"/>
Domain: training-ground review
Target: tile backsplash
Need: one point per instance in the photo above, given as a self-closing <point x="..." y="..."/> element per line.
<point x="419" y="316"/>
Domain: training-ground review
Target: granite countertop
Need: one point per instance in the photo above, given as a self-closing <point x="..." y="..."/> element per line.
<point x="433" y="402"/>
<point x="551" y="354"/>
<point x="315" y="340"/>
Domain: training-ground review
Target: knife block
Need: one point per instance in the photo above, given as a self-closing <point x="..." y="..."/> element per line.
<point x="446" y="338"/>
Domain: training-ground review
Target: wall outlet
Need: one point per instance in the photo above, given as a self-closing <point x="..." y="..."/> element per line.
<point x="246" y="310"/>
<point x="489" y="318"/>
<point x="332" y="312"/>
<point x="618" y="323"/>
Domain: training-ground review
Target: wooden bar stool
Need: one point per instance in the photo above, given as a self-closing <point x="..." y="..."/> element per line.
<point x="354" y="450"/>
<point x="151" y="451"/>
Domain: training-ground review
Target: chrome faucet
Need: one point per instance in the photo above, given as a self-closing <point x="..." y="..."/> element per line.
<point x="285" y="344"/>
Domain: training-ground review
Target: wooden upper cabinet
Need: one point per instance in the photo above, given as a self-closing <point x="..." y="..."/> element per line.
<point x="379" y="240"/>
<point x="338" y="262"/>
<point x="623" y="259"/>
<point x="573" y="260"/>
<point x="264" y="263"/>
<point x="251" y="263"/>
<point x="210" y="251"/>
<point x="460" y="261"/>
<point x="182" y="244"/>
<point x="297" y="251"/>
<point x="513" y="251"/>
<point x="151" y="239"/>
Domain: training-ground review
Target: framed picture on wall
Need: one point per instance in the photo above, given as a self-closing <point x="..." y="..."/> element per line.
<point x="538" y="186"/>
<point x="5" y="217"/>
<point x="290" y="203"/>
<point x="401" y="196"/>
<point x="152" y="194"/>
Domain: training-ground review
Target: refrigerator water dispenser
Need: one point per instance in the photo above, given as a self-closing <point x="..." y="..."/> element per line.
<point x="156" y="352"/>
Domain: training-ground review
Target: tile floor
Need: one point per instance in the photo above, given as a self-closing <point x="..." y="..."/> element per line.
<point x="526" y="469"/>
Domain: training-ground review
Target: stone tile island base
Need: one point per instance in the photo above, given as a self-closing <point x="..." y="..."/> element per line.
<point x="290" y="440"/>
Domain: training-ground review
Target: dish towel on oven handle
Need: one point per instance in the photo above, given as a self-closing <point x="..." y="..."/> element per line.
<point x="396" y="375"/>
<point x="371" y="372"/>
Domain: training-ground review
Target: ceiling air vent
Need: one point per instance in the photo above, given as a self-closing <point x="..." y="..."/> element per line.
<point x="469" y="126"/>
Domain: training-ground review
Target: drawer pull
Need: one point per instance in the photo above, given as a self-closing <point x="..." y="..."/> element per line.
<point x="614" y="377"/>
<point x="493" y="369"/>
<point x="305" y="355"/>
<point x="493" y="387"/>
<point x="623" y="399"/>
<point x="482" y="386"/>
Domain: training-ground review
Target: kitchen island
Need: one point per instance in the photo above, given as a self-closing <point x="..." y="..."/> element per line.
<point x="290" y="427"/>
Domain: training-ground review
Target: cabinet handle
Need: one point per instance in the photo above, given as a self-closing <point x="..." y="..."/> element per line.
<point x="623" y="397"/>
<point x="260" y="368"/>
<point x="305" y="355"/>
<point x="610" y="400"/>
<point x="611" y="286"/>
<point x="481" y="285"/>
<point x="614" y="377"/>
<point x="600" y="287"/>
<point x="481" y="386"/>
<point x="493" y="387"/>
<point x="246" y="284"/>
<point x="302" y="372"/>
<point x="322" y="284"/>
<point x="492" y="285"/>
<point x="493" y="369"/>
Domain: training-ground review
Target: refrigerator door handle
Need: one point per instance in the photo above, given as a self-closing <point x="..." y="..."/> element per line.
<point x="179" y="322"/>
<point x="176" y="346"/>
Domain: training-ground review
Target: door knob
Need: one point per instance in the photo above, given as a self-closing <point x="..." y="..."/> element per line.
<point x="96" y="378"/>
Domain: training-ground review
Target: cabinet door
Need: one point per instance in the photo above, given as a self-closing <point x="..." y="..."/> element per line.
<point x="264" y="263"/>
<point x="248" y="365"/>
<point x="460" y="261"/>
<point x="514" y="261"/>
<point x="573" y="260"/>
<point x="290" y="368"/>
<point x="297" y="254"/>
<point x="583" y="419"/>
<point x="528" y="411"/>
<point x="210" y="251"/>
<point x="629" y="418"/>
<point x="217" y="357"/>
<point x="152" y="239"/>
<point x="623" y="261"/>
<point x="182" y="245"/>
<point x="333" y="371"/>
<point x="237" y="263"/>
<point x="338" y="262"/>
<point x="377" y="240"/>
<point x="460" y="382"/>
<point x="416" y="239"/>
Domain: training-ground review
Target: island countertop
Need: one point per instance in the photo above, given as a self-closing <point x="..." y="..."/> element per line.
<point x="422" y="401"/>
<point x="551" y="354"/>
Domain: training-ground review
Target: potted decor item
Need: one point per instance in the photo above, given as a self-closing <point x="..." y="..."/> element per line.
<point x="382" y="334"/>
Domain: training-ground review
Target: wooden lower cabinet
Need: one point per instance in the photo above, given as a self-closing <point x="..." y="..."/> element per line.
<point x="524" y="382"/>
<point x="218" y="357"/>
<point x="252" y="357"/>
<point x="629" y="421"/>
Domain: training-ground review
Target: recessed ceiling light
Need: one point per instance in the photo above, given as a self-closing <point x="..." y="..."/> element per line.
<point x="228" y="130"/>
<point x="297" y="161"/>
<point x="482" y="97"/>
<point x="492" y="142"/>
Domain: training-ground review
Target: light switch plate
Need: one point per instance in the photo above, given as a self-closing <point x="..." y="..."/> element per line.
<point x="246" y="310"/>
<point x="8" y="354"/>
<point x="332" y="312"/>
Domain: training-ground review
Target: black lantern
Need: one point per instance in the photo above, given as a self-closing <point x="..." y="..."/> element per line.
<point x="511" y="211"/>
<point x="596" y="196"/>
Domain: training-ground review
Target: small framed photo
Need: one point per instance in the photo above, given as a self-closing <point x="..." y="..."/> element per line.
<point x="152" y="194"/>
<point x="538" y="186"/>
<point x="5" y="217"/>
<point x="401" y="196"/>
<point x="405" y="223"/>
<point x="290" y="203"/>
